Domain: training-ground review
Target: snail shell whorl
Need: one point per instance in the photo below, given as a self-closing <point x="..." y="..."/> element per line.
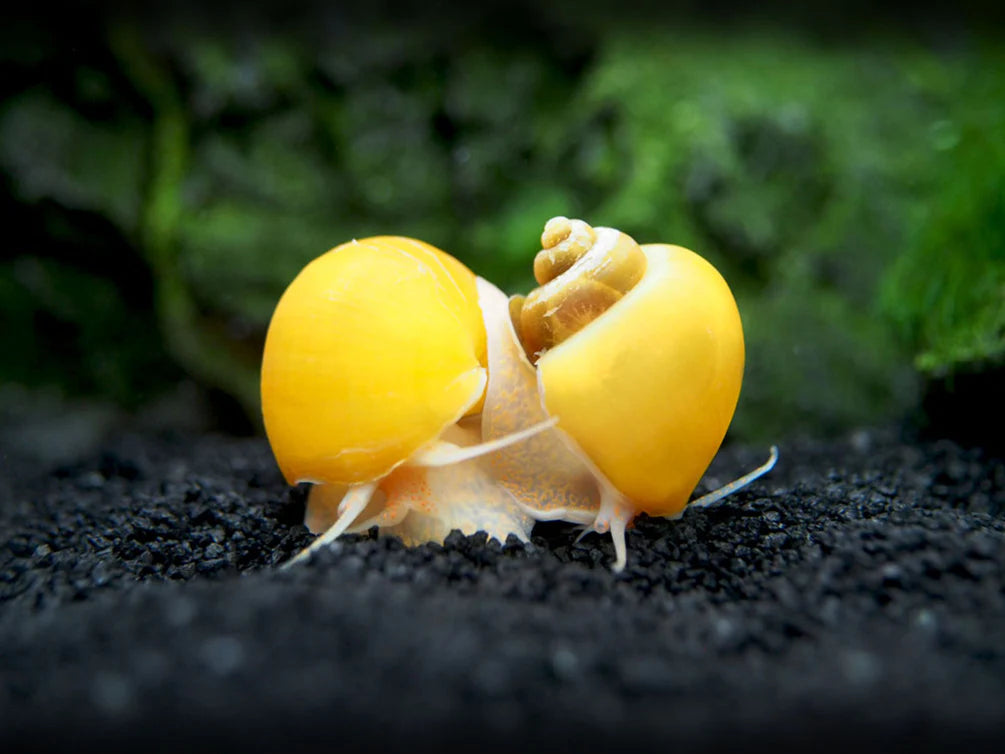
<point x="583" y="271"/>
<point x="563" y="242"/>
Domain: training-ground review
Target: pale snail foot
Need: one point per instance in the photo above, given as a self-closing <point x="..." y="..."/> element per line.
<point x="426" y="504"/>
<point x="442" y="488"/>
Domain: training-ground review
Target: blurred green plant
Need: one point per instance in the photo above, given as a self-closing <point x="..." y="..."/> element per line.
<point x="851" y="194"/>
<point x="947" y="291"/>
<point x="807" y="175"/>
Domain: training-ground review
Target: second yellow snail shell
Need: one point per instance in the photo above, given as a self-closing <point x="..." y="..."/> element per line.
<point x="643" y="392"/>
<point x="608" y="390"/>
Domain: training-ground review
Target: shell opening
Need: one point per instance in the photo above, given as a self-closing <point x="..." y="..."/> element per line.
<point x="582" y="272"/>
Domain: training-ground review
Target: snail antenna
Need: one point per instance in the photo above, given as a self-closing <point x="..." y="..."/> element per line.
<point x="737" y="484"/>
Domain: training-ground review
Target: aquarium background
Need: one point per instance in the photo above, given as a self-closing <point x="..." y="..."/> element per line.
<point x="166" y="172"/>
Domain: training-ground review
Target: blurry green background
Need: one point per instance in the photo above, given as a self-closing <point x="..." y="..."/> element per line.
<point x="164" y="176"/>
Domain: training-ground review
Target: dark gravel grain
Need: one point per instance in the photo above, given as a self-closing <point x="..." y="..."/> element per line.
<point x="853" y="598"/>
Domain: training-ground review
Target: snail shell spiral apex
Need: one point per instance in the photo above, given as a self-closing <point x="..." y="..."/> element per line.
<point x="583" y="272"/>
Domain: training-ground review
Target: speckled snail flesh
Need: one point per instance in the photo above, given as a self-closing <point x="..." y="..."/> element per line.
<point x="419" y="398"/>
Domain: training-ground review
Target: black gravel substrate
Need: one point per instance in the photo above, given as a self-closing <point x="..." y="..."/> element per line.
<point x="853" y="598"/>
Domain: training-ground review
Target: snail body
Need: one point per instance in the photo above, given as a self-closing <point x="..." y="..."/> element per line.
<point x="638" y="353"/>
<point x="661" y="398"/>
<point x="374" y="356"/>
<point x="420" y="398"/>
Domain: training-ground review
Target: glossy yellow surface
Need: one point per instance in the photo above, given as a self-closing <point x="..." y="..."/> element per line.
<point x="374" y="349"/>
<point x="648" y="389"/>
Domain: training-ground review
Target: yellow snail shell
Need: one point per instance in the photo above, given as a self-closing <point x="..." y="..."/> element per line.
<point x="639" y="356"/>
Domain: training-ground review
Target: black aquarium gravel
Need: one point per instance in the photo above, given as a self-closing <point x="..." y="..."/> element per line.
<point x="855" y="597"/>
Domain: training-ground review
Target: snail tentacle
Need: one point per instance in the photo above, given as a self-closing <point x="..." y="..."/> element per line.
<point x="354" y="503"/>
<point x="615" y="513"/>
<point x="581" y="516"/>
<point x="737" y="484"/>
<point x="446" y="453"/>
<point x="324" y="506"/>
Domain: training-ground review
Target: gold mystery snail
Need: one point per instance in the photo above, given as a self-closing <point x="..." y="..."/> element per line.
<point x="418" y="398"/>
